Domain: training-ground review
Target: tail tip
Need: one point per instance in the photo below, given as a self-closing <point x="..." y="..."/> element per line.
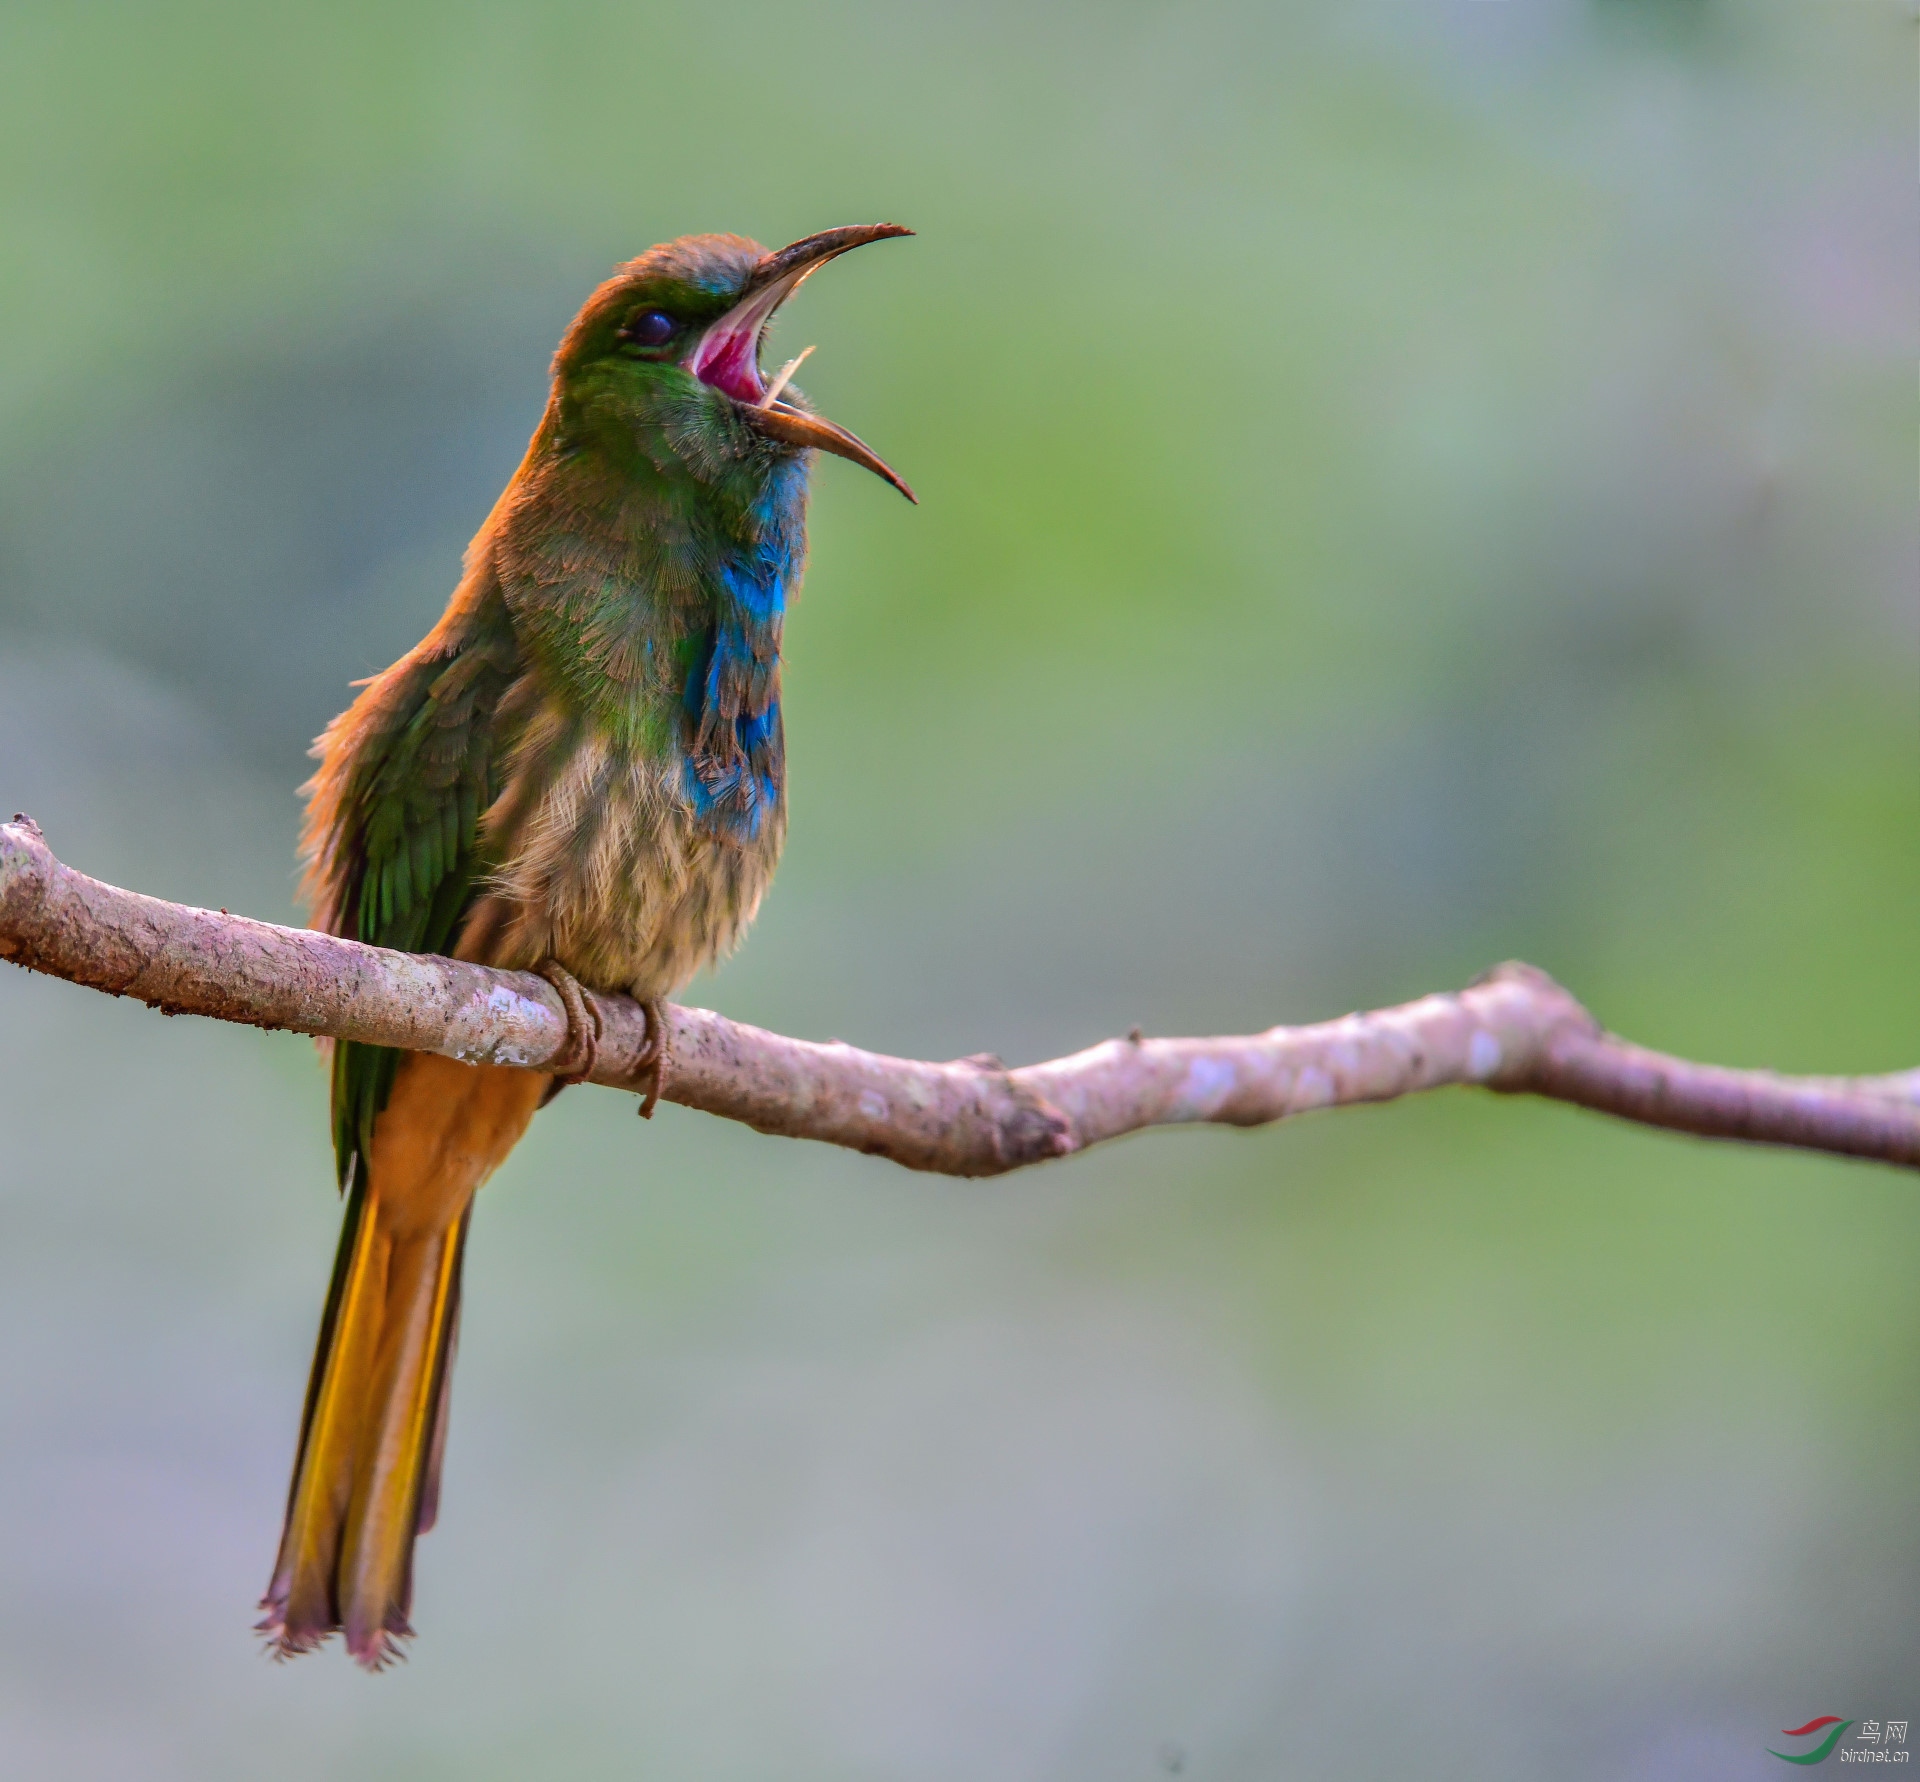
<point x="281" y="1641"/>
<point x="369" y="1648"/>
<point x="373" y="1651"/>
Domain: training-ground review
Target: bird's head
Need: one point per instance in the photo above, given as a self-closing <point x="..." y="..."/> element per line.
<point x="672" y="341"/>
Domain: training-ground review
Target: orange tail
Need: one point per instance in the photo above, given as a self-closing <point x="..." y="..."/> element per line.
<point x="366" y="1477"/>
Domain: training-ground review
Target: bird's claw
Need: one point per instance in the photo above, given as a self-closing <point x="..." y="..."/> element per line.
<point x="574" y="1064"/>
<point x="652" y="1064"/>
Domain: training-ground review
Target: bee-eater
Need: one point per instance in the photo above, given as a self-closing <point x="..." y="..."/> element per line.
<point x="579" y="770"/>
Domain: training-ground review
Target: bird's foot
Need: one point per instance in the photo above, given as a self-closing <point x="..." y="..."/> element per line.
<point x="652" y="1069"/>
<point x="574" y="1064"/>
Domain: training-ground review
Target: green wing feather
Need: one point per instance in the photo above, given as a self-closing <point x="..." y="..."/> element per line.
<point x="408" y="857"/>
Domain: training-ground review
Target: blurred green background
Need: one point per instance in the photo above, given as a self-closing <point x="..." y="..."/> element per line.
<point x="1403" y="486"/>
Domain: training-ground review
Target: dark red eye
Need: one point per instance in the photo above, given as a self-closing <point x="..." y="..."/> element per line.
<point x="650" y="328"/>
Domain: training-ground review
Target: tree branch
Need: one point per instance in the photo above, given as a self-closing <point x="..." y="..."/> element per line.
<point x="1515" y="1031"/>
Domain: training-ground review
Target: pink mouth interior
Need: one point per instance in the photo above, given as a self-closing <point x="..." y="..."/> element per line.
<point x="728" y="358"/>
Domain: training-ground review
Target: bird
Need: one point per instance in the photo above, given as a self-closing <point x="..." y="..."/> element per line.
<point x="580" y="770"/>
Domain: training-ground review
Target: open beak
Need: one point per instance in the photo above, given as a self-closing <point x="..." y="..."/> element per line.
<point x="728" y="356"/>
